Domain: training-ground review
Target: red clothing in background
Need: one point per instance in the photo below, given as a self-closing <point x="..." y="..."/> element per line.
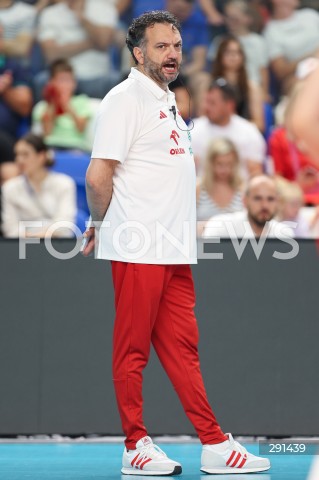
<point x="292" y="164"/>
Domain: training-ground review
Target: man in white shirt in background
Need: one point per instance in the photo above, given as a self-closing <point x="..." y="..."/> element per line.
<point x="17" y="26"/>
<point x="141" y="189"/>
<point x="261" y="202"/>
<point x="221" y="121"/>
<point x="81" y="31"/>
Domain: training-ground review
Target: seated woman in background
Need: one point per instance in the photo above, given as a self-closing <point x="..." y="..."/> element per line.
<point x="63" y="117"/>
<point x="219" y="190"/>
<point x="37" y="194"/>
<point x="291" y="208"/>
<point x="239" y="19"/>
<point x="230" y="65"/>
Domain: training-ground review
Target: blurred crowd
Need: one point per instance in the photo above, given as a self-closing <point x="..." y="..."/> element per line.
<point x="243" y="64"/>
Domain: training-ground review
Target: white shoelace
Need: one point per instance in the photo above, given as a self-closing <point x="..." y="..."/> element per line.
<point x="152" y="451"/>
<point x="236" y="446"/>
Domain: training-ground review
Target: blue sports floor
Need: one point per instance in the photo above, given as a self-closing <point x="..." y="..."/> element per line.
<point x="102" y="461"/>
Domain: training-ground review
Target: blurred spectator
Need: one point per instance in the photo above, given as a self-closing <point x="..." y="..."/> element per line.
<point x="8" y="168"/>
<point x="302" y="120"/>
<point x="310" y="4"/>
<point x="290" y="207"/>
<point x="194" y="28"/>
<point x="81" y="31"/>
<point x="15" y="103"/>
<point x="289" y="150"/>
<point x="294" y="165"/>
<point x="17" y="26"/>
<point x="291" y="36"/>
<point x="182" y="97"/>
<point x="219" y="190"/>
<point x="220" y="120"/>
<point x="142" y="6"/>
<point x="63" y="117"/>
<point x="195" y="35"/>
<point x="39" y="4"/>
<point x="230" y="65"/>
<point x="239" y="20"/>
<point x="37" y="195"/>
<point x="261" y="203"/>
<point x="214" y="11"/>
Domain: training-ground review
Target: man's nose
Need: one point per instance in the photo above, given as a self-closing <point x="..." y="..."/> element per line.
<point x="173" y="53"/>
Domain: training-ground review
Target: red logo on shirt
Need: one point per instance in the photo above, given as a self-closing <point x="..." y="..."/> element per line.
<point x="162" y="115"/>
<point x="177" y="151"/>
<point x="174" y="134"/>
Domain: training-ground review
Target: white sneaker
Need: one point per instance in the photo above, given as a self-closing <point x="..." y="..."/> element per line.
<point x="231" y="457"/>
<point x="148" y="459"/>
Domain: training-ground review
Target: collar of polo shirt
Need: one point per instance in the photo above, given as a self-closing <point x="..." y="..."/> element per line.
<point x="152" y="86"/>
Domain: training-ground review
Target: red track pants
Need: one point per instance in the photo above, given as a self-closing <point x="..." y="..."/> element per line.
<point x="154" y="304"/>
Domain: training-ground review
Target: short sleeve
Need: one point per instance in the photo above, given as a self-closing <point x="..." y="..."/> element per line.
<point x="38" y="111"/>
<point x="82" y="106"/>
<point x="263" y="52"/>
<point x="46" y="26"/>
<point x="29" y="23"/>
<point x="117" y="127"/>
<point x="256" y="147"/>
<point x="275" y="50"/>
<point x="102" y="13"/>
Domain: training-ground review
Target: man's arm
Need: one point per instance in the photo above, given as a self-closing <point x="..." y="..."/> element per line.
<point x="122" y="5"/>
<point x="53" y="50"/>
<point x="213" y="15"/>
<point x="99" y="186"/>
<point x="99" y="189"/>
<point x="19" y="99"/>
<point x="198" y="60"/>
<point x="302" y="121"/>
<point x="100" y="35"/>
<point x="19" y="46"/>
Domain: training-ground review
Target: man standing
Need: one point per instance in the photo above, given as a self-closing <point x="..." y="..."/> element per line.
<point x="141" y="186"/>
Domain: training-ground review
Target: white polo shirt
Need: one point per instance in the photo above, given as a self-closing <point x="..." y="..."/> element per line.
<point x="152" y="215"/>
<point x="59" y="22"/>
<point x="236" y="225"/>
<point x="246" y="137"/>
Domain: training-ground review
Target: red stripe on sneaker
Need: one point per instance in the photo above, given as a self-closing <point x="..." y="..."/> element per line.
<point x="236" y="460"/>
<point x="231" y="457"/>
<point x="139" y="461"/>
<point x="135" y="458"/>
<point x="146" y="461"/>
<point x="242" y="463"/>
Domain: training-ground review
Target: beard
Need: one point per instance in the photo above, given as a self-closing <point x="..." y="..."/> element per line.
<point x="155" y="71"/>
<point x="261" y="219"/>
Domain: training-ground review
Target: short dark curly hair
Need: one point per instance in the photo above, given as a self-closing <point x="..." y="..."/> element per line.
<point x="136" y="32"/>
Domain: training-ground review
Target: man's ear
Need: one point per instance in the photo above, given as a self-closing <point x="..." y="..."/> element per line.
<point x="138" y="54"/>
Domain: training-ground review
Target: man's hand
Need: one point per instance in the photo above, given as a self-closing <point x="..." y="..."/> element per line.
<point x="216" y="18"/>
<point x="5" y="81"/>
<point x="90" y="240"/>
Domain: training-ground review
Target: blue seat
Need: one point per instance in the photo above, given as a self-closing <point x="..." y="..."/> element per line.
<point x="269" y="120"/>
<point x="74" y="163"/>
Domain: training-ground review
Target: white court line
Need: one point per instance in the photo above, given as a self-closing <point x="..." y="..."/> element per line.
<point x="314" y="470"/>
